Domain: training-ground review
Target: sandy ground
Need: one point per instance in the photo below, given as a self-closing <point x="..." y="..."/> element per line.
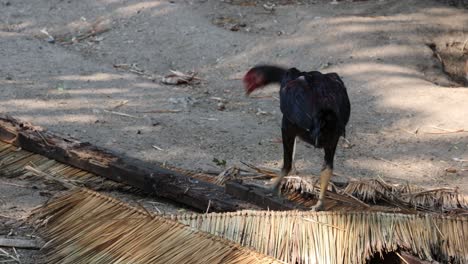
<point x="398" y="90"/>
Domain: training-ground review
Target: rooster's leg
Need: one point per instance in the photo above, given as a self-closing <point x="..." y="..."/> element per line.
<point x="325" y="175"/>
<point x="289" y="148"/>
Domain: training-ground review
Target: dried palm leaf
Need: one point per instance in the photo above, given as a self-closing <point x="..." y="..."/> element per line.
<point x="229" y="174"/>
<point x="339" y="237"/>
<point x="438" y="200"/>
<point x="87" y="227"/>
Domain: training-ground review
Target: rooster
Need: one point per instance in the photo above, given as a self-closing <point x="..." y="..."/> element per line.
<point x="315" y="108"/>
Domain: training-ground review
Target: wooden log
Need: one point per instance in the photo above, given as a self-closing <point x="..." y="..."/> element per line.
<point x="119" y="167"/>
<point x="259" y="197"/>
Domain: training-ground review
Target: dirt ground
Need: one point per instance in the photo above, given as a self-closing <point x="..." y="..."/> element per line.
<point x="407" y="117"/>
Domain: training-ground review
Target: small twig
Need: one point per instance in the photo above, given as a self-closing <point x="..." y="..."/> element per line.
<point x="212" y="172"/>
<point x="17" y="255"/>
<point x="251" y="177"/>
<point x="21" y="243"/>
<point x="146" y="210"/>
<point x="438" y="229"/>
<point x="13" y="184"/>
<point x="120" y="114"/>
<point x="325" y="224"/>
<point x="137" y="71"/>
<point x="267" y="172"/>
<point x="383" y="182"/>
<point x="415" y="132"/>
<point x="6" y="216"/>
<point x="122" y="103"/>
<point x="404" y="260"/>
<point x="344" y="176"/>
<point x="158" y="148"/>
<point x="276" y="140"/>
<point x="261" y="96"/>
<point x="208" y="207"/>
<point x="190" y="76"/>
<point x="177" y="77"/>
<point x="439" y="58"/>
<point x="447" y="131"/>
<point x="8" y="255"/>
<point x="443" y="129"/>
<point x="219" y="99"/>
<point x="43" y="138"/>
<point x="161" y="111"/>
<point x="91" y="33"/>
<point x="347" y="141"/>
<point x="356" y="199"/>
<point x="390" y="162"/>
<point x="157" y="209"/>
<point x="464" y="45"/>
<point x="429" y="191"/>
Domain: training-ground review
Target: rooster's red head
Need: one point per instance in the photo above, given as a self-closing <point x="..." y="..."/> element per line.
<point x="253" y="79"/>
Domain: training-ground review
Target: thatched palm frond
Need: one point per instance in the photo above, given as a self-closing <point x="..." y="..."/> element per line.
<point x="87" y="227"/>
<point x="92" y="227"/>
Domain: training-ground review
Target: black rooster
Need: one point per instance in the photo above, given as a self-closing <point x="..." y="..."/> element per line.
<point x="315" y="108"/>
